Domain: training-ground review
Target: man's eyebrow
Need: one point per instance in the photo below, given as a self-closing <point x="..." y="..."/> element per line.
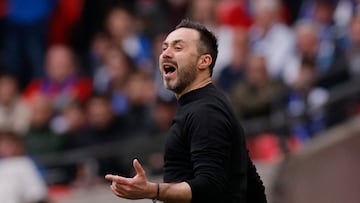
<point x="178" y="41"/>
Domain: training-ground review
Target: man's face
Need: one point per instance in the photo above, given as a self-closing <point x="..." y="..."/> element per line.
<point x="179" y="59"/>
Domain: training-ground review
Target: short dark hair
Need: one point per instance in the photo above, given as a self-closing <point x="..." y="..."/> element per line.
<point x="208" y="41"/>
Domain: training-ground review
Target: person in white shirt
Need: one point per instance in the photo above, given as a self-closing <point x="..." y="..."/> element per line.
<point x="20" y="181"/>
<point x="270" y="37"/>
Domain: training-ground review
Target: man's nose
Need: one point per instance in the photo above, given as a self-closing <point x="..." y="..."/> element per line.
<point x="167" y="53"/>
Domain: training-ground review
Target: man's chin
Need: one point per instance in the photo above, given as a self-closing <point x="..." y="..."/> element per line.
<point x="174" y="88"/>
<point x="169" y="87"/>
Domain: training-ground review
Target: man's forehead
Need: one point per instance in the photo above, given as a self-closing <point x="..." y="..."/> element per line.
<point x="182" y="35"/>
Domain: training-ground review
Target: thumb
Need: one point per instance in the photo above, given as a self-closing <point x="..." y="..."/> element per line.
<point x="138" y="168"/>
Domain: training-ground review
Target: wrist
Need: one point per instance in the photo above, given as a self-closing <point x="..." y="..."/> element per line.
<point x="154" y="191"/>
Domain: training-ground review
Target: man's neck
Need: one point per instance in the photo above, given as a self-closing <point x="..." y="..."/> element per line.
<point x="197" y="84"/>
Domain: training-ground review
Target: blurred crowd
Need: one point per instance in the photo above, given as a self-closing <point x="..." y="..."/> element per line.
<point x="79" y="74"/>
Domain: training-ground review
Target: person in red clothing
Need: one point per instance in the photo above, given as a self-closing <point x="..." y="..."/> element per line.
<point x="62" y="82"/>
<point x="65" y="17"/>
<point x="234" y="13"/>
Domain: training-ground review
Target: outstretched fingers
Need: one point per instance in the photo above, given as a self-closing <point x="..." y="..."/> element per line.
<point x="117" y="179"/>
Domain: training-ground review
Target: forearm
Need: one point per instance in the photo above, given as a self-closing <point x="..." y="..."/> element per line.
<point x="174" y="192"/>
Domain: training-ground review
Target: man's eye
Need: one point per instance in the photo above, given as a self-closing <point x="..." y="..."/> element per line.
<point x="178" y="48"/>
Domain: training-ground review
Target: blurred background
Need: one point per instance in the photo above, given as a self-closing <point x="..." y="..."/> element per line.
<point x="81" y="95"/>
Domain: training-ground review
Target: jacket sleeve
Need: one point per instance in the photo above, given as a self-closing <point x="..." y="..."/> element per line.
<point x="209" y="133"/>
<point x="255" y="186"/>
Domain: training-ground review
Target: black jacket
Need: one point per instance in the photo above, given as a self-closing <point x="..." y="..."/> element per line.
<point x="206" y="148"/>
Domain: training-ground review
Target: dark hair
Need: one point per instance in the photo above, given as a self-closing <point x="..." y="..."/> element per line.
<point x="208" y="41"/>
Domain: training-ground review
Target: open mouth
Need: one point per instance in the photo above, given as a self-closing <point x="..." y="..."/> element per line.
<point x="169" y="68"/>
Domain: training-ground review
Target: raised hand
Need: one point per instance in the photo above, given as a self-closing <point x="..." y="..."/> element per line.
<point x="137" y="187"/>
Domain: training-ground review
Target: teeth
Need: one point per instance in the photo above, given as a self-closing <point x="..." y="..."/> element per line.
<point x="168" y="68"/>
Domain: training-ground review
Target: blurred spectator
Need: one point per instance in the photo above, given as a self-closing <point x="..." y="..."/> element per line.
<point x="62" y="83"/>
<point x="41" y="138"/>
<point x="102" y="127"/>
<point x="131" y="92"/>
<point x="353" y="50"/>
<point x="241" y="12"/>
<point x="323" y="16"/>
<point x="207" y="18"/>
<point x="307" y="9"/>
<point x="121" y="25"/>
<point x="149" y="148"/>
<point x="67" y="124"/>
<point x="20" y="180"/>
<point x="337" y="11"/>
<point x="95" y="58"/>
<point x="14" y="114"/>
<point x="2" y="9"/>
<point x="271" y="37"/>
<point x="141" y="93"/>
<point x="235" y="70"/>
<point x="2" y="29"/>
<point x="330" y="36"/>
<point x="112" y="78"/>
<point x="65" y="16"/>
<point x="234" y="13"/>
<point x="140" y="89"/>
<point x="305" y="103"/>
<point x="159" y="16"/>
<point x="294" y="8"/>
<point x="308" y="45"/>
<point x="26" y="37"/>
<point x="69" y="121"/>
<point x="91" y="21"/>
<point x="344" y="11"/>
<point x="256" y="95"/>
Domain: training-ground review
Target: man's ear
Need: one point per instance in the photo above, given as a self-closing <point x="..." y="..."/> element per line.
<point x="205" y="61"/>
